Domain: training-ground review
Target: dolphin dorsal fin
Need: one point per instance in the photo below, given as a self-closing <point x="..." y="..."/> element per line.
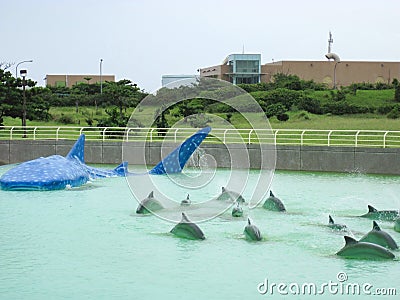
<point x="331" y="220"/>
<point x="371" y="209"/>
<point x="151" y="195"/>
<point x="187" y="197"/>
<point x="375" y="226"/>
<point x="248" y="221"/>
<point x="78" y="149"/>
<point x="271" y="194"/>
<point x="185" y="218"/>
<point x="349" y="240"/>
<point x="223" y="190"/>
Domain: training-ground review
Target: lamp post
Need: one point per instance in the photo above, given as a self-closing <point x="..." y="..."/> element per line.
<point x="336" y="59"/>
<point x="23" y="75"/>
<point x="101" y="75"/>
<point x="16" y="67"/>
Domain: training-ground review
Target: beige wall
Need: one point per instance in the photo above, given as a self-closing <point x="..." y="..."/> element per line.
<point x="347" y="72"/>
<point x="70" y="80"/>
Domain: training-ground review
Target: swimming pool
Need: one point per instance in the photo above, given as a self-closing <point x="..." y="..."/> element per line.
<point x="88" y="243"/>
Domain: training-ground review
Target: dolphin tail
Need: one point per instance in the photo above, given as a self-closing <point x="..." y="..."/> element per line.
<point x="176" y="160"/>
<point x="78" y="150"/>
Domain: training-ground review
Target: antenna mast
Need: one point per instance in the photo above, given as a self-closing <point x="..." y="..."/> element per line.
<point x="330" y="42"/>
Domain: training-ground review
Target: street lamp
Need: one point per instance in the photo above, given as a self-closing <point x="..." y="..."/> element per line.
<point x="101" y="79"/>
<point x="336" y="59"/>
<point x="16" y="67"/>
<point x="23" y="74"/>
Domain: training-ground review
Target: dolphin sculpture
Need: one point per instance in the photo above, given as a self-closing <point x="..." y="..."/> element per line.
<point x="186" y="202"/>
<point x="237" y="211"/>
<point x="336" y="226"/>
<point x="383" y="215"/>
<point x="230" y="195"/>
<point x="380" y="237"/>
<point x="56" y="172"/>
<point x="397" y="225"/>
<point x="148" y="205"/>
<point x="251" y="232"/>
<point x="187" y="229"/>
<point x="273" y="203"/>
<point x="364" y="250"/>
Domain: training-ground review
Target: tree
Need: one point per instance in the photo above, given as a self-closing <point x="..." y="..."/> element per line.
<point x="122" y="94"/>
<point x="396" y="90"/>
<point x="11" y="97"/>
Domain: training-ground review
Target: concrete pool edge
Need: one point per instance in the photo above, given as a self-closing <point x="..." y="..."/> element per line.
<point x="289" y="157"/>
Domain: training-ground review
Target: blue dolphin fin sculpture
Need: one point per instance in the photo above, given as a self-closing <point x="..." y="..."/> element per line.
<point x="176" y="160"/>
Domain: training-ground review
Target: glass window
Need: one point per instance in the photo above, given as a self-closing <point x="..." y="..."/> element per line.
<point x="60" y="83"/>
<point x="247" y="66"/>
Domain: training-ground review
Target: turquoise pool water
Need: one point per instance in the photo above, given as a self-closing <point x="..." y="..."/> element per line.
<point x="88" y="243"/>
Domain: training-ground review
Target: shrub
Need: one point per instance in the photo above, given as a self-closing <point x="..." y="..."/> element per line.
<point x="394" y="113"/>
<point x="283" y="117"/>
<point x="65" y="119"/>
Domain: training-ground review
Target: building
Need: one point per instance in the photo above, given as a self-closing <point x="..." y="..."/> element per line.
<point x="168" y="79"/>
<point x="71" y="80"/>
<point x="242" y="68"/>
<point x="236" y="68"/>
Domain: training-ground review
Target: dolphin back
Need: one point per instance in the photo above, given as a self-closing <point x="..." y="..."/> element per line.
<point x="273" y="203"/>
<point x="364" y="250"/>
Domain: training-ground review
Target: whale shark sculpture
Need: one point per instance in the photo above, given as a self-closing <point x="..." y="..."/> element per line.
<point x="336" y="226"/>
<point x="252" y="232"/>
<point x="56" y="172"/>
<point x="187" y="229"/>
<point x="383" y="215"/>
<point x="148" y="205"/>
<point x="364" y="250"/>
<point x="380" y="237"/>
<point x="273" y="203"/>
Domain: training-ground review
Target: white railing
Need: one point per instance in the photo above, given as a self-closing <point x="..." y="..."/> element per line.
<point x="312" y="137"/>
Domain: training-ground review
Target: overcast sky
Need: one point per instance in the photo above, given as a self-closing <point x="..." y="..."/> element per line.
<point x="142" y="40"/>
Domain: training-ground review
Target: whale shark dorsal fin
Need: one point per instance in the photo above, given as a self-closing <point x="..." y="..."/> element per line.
<point x="185" y="219"/>
<point x="331" y="220"/>
<point x="151" y="195"/>
<point x="187" y="197"/>
<point x="375" y="226"/>
<point x="78" y="149"/>
<point x="371" y="209"/>
<point x="349" y="240"/>
<point x="271" y="194"/>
